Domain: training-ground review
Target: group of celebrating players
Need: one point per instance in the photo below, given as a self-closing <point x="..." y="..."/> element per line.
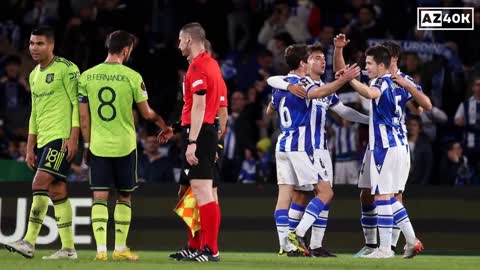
<point x="99" y="104"/>
<point x="301" y="101"/>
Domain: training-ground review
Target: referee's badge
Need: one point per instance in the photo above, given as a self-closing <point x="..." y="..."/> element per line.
<point x="50" y="77"/>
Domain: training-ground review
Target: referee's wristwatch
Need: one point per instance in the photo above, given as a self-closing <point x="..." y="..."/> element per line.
<point x="191" y="142"/>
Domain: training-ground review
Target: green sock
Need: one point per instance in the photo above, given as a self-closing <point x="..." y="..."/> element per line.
<point x="37" y="214"/>
<point x="63" y="216"/>
<point x="122" y="215"/>
<point x="99" y="223"/>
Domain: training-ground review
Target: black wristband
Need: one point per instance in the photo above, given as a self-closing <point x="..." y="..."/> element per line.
<point x="191" y="142"/>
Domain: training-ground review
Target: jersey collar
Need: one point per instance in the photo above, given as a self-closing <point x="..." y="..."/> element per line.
<point x="49" y="64"/>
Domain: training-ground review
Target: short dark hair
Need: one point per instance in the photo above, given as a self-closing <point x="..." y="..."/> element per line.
<point x="195" y="30"/>
<point x="393" y="48"/>
<point x="296" y="53"/>
<point x="380" y="55"/>
<point x="317" y="47"/>
<point x="451" y="143"/>
<point x="118" y="40"/>
<point x="12" y="59"/>
<point x="44" y="30"/>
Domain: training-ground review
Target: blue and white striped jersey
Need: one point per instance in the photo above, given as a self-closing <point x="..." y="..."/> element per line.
<point x="386" y="113"/>
<point x="346" y="141"/>
<point x="294" y="114"/>
<point x="419" y="88"/>
<point x="319" y="116"/>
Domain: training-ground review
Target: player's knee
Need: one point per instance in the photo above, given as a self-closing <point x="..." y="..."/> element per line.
<point x="41" y="180"/>
<point x="57" y="191"/>
<point x="100" y="195"/>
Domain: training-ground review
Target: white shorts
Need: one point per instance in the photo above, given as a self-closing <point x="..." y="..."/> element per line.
<point x="346" y="172"/>
<point x="405" y="171"/>
<point x="324" y="165"/>
<point x="387" y="167"/>
<point x="364" y="177"/>
<point x="296" y="169"/>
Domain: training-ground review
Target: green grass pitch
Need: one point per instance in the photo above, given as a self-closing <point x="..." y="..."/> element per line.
<point x="238" y="260"/>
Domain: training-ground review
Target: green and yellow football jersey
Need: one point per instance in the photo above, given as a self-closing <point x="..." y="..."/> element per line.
<point x="111" y="90"/>
<point x="54" y="100"/>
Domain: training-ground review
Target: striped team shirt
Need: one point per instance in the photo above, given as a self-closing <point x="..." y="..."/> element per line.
<point x="294" y="114"/>
<point x="319" y="116"/>
<point x="419" y="88"/>
<point x="386" y="113"/>
<point x="346" y="141"/>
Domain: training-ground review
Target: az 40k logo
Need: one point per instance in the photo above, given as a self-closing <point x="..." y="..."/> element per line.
<point x="50" y="77"/>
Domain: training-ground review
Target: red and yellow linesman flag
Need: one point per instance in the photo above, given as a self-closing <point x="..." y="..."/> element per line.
<point x="187" y="209"/>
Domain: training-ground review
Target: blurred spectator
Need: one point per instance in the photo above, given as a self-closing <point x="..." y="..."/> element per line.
<point x="239" y="30"/>
<point x="282" y="21"/>
<point x="10" y="33"/>
<point x="430" y="120"/>
<point x="325" y="38"/>
<point x="14" y="96"/>
<point x="421" y="156"/>
<point x="365" y="26"/>
<point x="468" y="117"/>
<point x="280" y="42"/>
<point x="264" y="162"/>
<point x="454" y="168"/>
<point x="79" y="172"/>
<point x="22" y="150"/>
<point x="156" y="166"/>
<point x="247" y="173"/>
<point x="249" y="72"/>
<point x="241" y="133"/>
<point x="4" y="141"/>
<point x="347" y="162"/>
<point x="42" y="12"/>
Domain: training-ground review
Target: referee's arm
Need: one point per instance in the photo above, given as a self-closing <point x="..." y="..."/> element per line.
<point x="197" y="113"/>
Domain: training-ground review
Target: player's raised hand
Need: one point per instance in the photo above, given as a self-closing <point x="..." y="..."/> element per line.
<point x="340" y="41"/>
<point x="298" y="90"/>
<point x="165" y="135"/>
<point x="351" y="73"/>
<point x="190" y="154"/>
<point x="339" y="73"/>
<point x="398" y="79"/>
<point x="31" y="160"/>
<point x="71" y="146"/>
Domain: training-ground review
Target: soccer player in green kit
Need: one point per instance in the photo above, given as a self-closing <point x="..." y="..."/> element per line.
<point x="54" y="129"/>
<point x="106" y="94"/>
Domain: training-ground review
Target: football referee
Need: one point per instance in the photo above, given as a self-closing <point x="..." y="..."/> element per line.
<point x="202" y="85"/>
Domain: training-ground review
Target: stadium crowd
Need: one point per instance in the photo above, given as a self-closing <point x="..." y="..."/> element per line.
<point x="249" y="38"/>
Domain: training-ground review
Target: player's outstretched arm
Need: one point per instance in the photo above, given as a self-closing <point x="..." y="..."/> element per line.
<point x="279" y="82"/>
<point x="147" y="113"/>
<point x="349" y="114"/>
<point x="339" y="42"/>
<point x="420" y="98"/>
<point x="364" y="90"/>
<point x="329" y="88"/>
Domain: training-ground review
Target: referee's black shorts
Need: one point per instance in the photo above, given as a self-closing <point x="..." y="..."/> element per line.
<point x="207" y="142"/>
